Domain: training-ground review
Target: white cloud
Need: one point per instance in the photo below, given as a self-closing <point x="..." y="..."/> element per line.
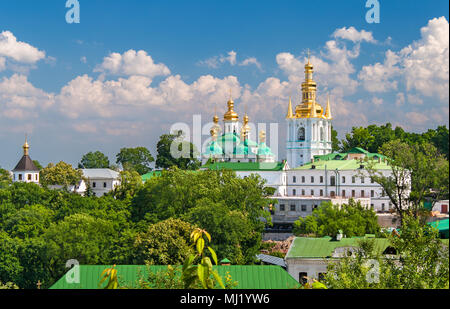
<point x="422" y="66"/>
<point x="19" y="99"/>
<point x="250" y="61"/>
<point x="354" y="35"/>
<point x="400" y="99"/>
<point x="18" y="51"/>
<point x="132" y="63"/>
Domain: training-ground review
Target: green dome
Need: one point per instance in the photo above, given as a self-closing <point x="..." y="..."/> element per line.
<point x="241" y="149"/>
<point x="213" y="149"/>
<point x="263" y="150"/>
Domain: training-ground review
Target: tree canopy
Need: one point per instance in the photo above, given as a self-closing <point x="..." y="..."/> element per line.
<point x="187" y="151"/>
<point x="62" y="174"/>
<point x="94" y="160"/>
<point x="136" y="159"/>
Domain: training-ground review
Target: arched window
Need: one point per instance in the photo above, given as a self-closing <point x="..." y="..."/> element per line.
<point x="301" y="134"/>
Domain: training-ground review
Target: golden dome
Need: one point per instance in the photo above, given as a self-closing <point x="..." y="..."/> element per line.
<point x="26" y="147"/>
<point x="231" y="115"/>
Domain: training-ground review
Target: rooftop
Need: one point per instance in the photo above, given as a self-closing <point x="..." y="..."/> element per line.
<point x="25" y="164"/>
<point x="248" y="276"/>
<point x="310" y="247"/>
<point x="100" y="173"/>
<point x="245" y="166"/>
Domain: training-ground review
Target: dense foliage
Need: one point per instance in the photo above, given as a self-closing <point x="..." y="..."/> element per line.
<point x="41" y="229"/>
<point x="185" y="152"/>
<point x="94" y="160"/>
<point x="352" y="219"/>
<point x="419" y="260"/>
<point x="136" y="159"/>
<point x="373" y="137"/>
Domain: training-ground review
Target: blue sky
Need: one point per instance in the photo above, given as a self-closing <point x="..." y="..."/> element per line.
<point x="186" y="68"/>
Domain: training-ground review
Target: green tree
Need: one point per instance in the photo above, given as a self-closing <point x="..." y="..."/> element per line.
<point x="420" y="261"/>
<point x="94" y="160"/>
<point x="5" y="177"/>
<point x="417" y="171"/>
<point x="135" y="159"/>
<point x="334" y="140"/>
<point x="164" y="243"/>
<point x="352" y="218"/>
<point x="62" y="174"/>
<point x="130" y="183"/>
<point x="187" y="152"/>
<point x="37" y="164"/>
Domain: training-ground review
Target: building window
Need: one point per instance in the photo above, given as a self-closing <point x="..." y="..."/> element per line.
<point x="294" y="179"/>
<point x="362" y="193"/>
<point x="382" y="207"/>
<point x="362" y="179"/>
<point x="20" y="176"/>
<point x="353" y="193"/>
<point x="353" y="179"/>
<point x="104" y="185"/>
<point x="312" y="192"/>
<point x="332" y="194"/>
<point x="303" y="192"/>
<point x="29" y="177"/>
<point x="294" y="192"/>
<point x="343" y="179"/>
<point x="292" y="207"/>
<point x="372" y="193"/>
<point x="321" y="179"/>
<point x="321" y="192"/>
<point x="94" y="184"/>
<point x="332" y="181"/>
<point x="302" y="278"/>
<point x="312" y="179"/>
<point x="282" y="207"/>
<point x="36" y="177"/>
<point x="303" y="179"/>
<point x="343" y="193"/>
<point x="303" y="207"/>
<point x="371" y="180"/>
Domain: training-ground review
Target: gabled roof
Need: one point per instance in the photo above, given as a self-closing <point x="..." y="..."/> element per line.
<point x="25" y="164"/>
<point x="269" y="259"/>
<point x="100" y="173"/>
<point x="247" y="276"/>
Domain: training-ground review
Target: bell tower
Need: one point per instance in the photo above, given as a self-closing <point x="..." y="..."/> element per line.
<point x="309" y="127"/>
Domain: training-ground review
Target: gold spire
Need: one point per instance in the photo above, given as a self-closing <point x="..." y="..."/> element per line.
<point x="245" y="127"/>
<point x="309" y="107"/>
<point x="289" y="114"/>
<point x="328" y="110"/>
<point x="231" y="115"/>
<point x="213" y="134"/>
<point x="26" y="147"/>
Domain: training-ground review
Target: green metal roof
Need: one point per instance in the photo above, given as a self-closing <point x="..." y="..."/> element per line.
<point x="310" y="247"/>
<point x="247" y="276"/>
<point x="245" y="166"/>
<point x="150" y="175"/>
<point x="341" y="165"/>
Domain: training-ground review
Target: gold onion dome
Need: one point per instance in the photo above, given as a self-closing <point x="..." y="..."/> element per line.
<point x="231" y="115"/>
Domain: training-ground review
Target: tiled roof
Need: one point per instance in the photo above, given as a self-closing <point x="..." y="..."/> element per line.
<point x="25" y="164"/>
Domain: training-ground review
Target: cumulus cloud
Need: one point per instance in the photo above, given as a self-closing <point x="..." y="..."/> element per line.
<point x="132" y="63"/>
<point x="19" y="99"/>
<point x="19" y="51"/>
<point x="251" y="61"/>
<point x="354" y="35"/>
<point x="422" y="66"/>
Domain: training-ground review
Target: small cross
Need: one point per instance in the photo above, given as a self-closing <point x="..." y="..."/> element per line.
<point x="39" y="284"/>
<point x="308" y="54"/>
